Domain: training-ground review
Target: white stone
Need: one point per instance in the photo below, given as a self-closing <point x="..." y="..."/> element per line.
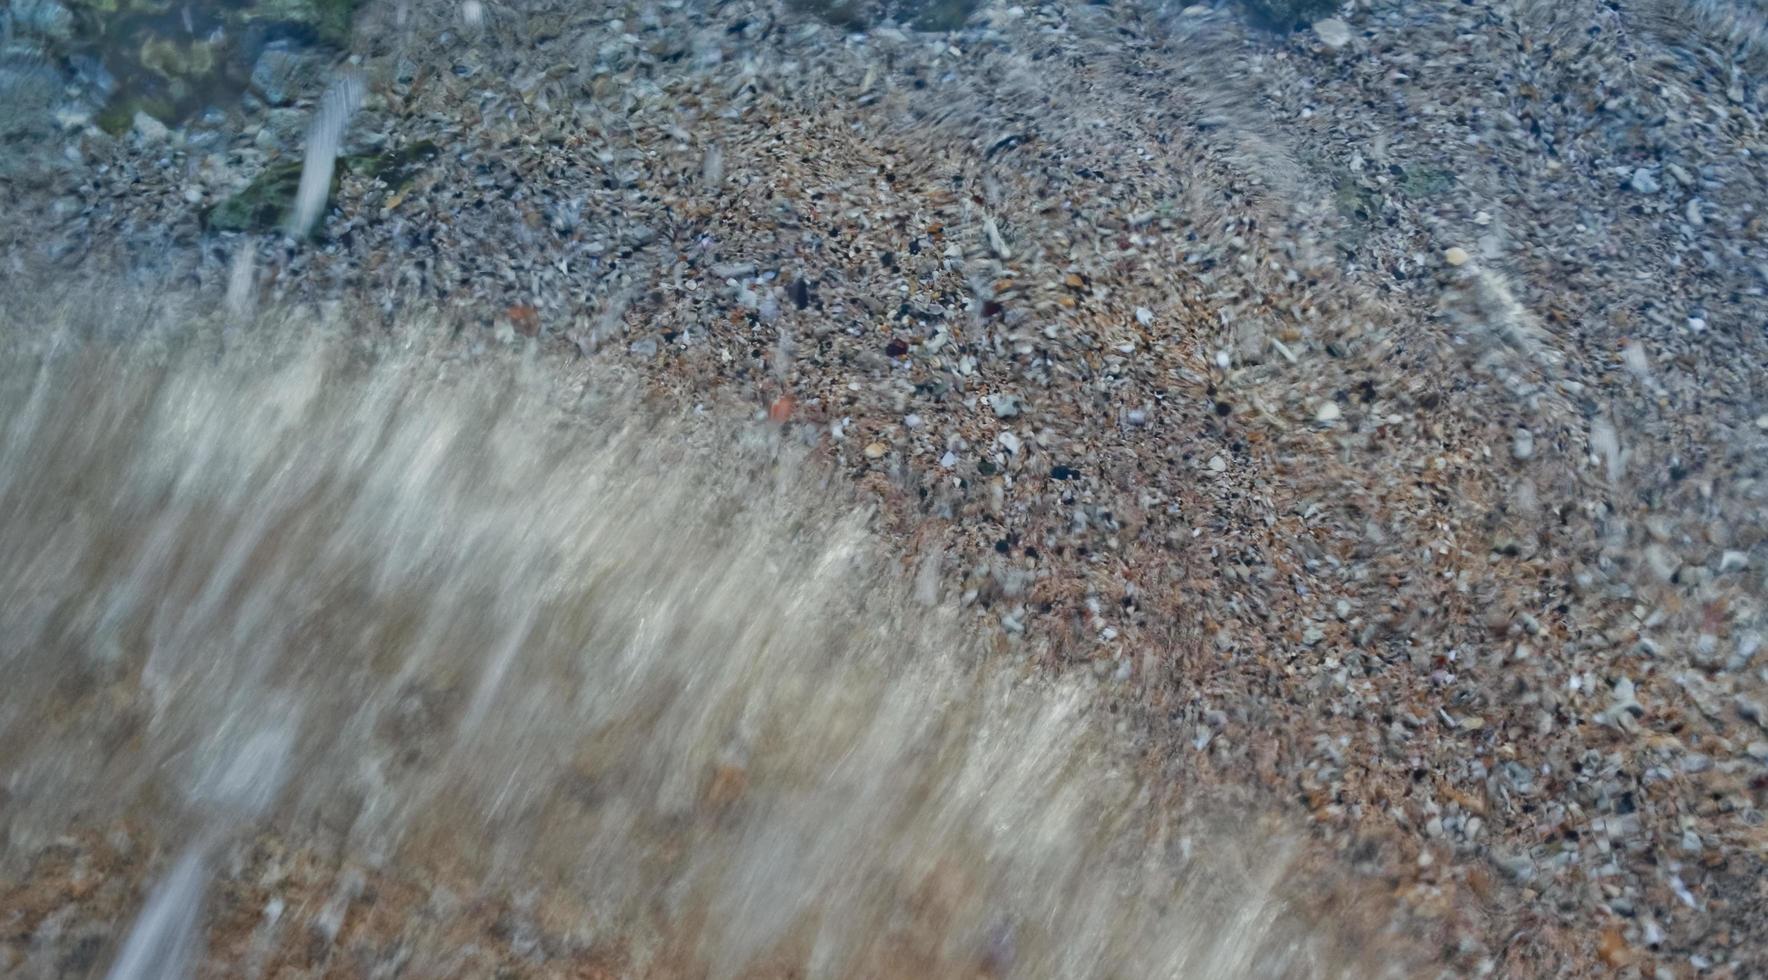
<point x="1218" y="464"/>
<point x="1522" y="444"/>
<point x="149" y="128"/>
<point x="1327" y="412"/>
<point x="1333" y="32"/>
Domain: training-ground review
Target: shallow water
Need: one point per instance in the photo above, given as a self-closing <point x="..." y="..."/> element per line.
<point x="468" y="619"/>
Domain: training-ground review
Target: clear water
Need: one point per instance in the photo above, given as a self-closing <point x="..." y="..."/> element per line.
<point x="436" y="612"/>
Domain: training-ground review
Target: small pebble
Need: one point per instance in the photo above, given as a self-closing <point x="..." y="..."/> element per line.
<point x="1522" y="445"/>
<point x="876" y="450"/>
<point x="1328" y="412"/>
<point x="1218" y="464"/>
<point x="1456" y="256"/>
<point x="1332" y="32"/>
<point x="1643" y="182"/>
<point x="149" y="128"/>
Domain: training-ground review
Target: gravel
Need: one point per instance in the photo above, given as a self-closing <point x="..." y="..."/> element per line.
<point x="1276" y="303"/>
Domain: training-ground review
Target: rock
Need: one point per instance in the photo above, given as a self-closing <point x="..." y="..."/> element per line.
<point x="1218" y="464"/>
<point x="264" y="203"/>
<point x="1752" y="711"/>
<point x="1733" y="561"/>
<point x="1522" y="445"/>
<point x="282" y="74"/>
<point x="330" y="19"/>
<point x="876" y="450"/>
<point x="1643" y="182"/>
<point x="1663" y="562"/>
<point x="1333" y="33"/>
<point x="1328" y="412"/>
<point x="149" y="129"/>
<point x="1456" y="256"/>
<point x="42" y="18"/>
<point x="1004" y="405"/>
<point x="996" y="243"/>
<point x="1284" y="15"/>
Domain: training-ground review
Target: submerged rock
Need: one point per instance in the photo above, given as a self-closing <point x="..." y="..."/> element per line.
<point x="174" y="62"/>
<point x="921" y="15"/>
<point x="265" y="203"/>
<point x="1286" y="15"/>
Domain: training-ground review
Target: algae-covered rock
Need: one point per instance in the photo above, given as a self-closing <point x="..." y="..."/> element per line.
<point x="198" y="55"/>
<point x="396" y="169"/>
<point x="329" y="19"/>
<point x="284" y="72"/>
<point x="118" y="116"/>
<point x="264" y="203"/>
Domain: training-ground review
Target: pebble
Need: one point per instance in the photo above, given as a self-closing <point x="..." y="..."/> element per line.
<point x="1004" y="405"/>
<point x="1456" y="256"/>
<point x="1332" y="32"/>
<point x="1751" y="710"/>
<point x="876" y="450"/>
<point x="282" y="73"/>
<point x="1328" y="412"/>
<point x="149" y="128"/>
<point x="1643" y="182"/>
<point x="1663" y="561"/>
<point x="1522" y="445"/>
<point x="1218" y="464"/>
